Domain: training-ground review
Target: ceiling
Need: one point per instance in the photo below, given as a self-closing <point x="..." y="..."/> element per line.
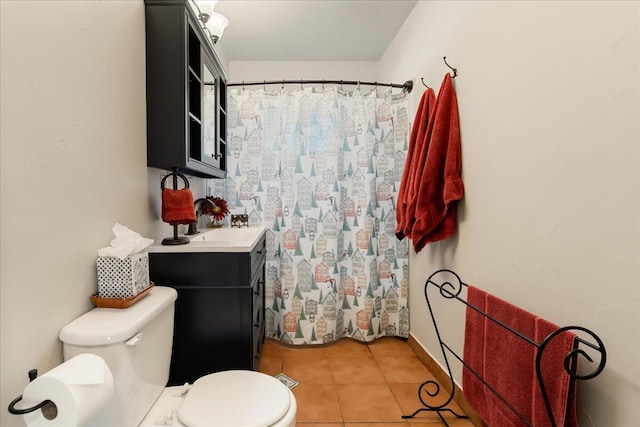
<point x="310" y="30"/>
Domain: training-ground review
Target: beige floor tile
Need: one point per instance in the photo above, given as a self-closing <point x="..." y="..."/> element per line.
<point x="352" y="370"/>
<point x="270" y="365"/>
<point x="305" y="352"/>
<point x="352" y="384"/>
<point x="403" y="369"/>
<point x="319" y="424"/>
<point x="307" y="370"/>
<point x="390" y="346"/>
<point x="348" y="347"/>
<point x="272" y="348"/>
<point x="367" y="402"/>
<point x="317" y="403"/>
<point x="384" y="424"/>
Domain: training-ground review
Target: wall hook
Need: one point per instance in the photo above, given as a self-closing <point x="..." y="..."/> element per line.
<point x="425" y="85"/>
<point x="455" y="70"/>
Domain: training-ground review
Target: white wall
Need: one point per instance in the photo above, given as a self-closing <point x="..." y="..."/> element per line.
<point x="73" y="163"/>
<point x="548" y="97"/>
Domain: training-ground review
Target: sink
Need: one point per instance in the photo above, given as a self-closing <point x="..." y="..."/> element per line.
<point x="217" y="240"/>
<point x="228" y="234"/>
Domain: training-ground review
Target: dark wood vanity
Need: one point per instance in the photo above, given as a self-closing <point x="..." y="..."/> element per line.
<point x="219" y="319"/>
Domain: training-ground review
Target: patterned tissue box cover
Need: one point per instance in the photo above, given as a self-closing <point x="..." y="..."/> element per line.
<point x="123" y="278"/>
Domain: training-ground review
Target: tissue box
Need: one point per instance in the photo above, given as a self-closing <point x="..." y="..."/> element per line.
<point x="123" y="278"/>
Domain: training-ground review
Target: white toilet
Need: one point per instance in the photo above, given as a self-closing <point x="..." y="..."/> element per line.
<point x="136" y="345"/>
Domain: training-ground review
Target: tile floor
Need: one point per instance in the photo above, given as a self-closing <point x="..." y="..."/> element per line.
<point x="352" y="384"/>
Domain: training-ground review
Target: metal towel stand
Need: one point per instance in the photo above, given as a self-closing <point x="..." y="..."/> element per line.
<point x="450" y="287"/>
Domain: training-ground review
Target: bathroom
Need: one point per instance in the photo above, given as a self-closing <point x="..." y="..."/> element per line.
<point x="549" y="102"/>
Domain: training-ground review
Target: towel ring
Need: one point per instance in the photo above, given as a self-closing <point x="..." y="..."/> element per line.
<point x="174" y="174"/>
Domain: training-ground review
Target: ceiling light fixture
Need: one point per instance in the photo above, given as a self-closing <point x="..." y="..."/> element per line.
<point x="216" y="24"/>
<point x="213" y="23"/>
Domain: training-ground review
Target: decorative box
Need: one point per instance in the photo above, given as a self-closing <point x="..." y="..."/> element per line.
<point x="123" y="278"/>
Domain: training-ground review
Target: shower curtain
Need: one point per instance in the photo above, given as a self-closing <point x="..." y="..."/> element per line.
<point x="320" y="169"/>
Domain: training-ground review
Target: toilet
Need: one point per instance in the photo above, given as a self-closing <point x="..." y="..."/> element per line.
<point x="136" y="345"/>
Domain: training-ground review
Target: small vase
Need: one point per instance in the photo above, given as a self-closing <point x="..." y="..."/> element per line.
<point x="213" y="223"/>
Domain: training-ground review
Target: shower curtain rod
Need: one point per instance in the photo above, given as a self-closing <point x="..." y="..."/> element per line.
<point x="406" y="86"/>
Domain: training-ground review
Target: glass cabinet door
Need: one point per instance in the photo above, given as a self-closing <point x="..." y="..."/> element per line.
<point x="209" y="109"/>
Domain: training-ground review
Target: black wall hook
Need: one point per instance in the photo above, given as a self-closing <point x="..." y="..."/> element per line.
<point x="425" y="85"/>
<point x="455" y="70"/>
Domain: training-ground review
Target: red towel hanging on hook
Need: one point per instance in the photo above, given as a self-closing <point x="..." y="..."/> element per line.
<point x="415" y="161"/>
<point x="439" y="183"/>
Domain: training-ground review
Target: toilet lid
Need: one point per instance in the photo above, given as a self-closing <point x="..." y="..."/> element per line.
<point x="235" y="399"/>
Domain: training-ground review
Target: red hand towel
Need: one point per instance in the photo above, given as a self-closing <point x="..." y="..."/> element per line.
<point x="560" y="386"/>
<point x="440" y="184"/>
<point x="177" y="206"/>
<point x="406" y="192"/>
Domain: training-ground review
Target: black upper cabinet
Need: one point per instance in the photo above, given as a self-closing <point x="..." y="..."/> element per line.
<point x="186" y="93"/>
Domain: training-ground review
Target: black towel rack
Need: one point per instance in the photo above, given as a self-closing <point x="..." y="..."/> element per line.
<point x="450" y="287"/>
<point x="175" y="240"/>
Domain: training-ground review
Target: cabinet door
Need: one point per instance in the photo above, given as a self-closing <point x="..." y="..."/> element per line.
<point x="210" y="126"/>
<point x="194" y="95"/>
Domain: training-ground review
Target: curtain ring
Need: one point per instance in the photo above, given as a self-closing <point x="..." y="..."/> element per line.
<point x="264" y="85"/>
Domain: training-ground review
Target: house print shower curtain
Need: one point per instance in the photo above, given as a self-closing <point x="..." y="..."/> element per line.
<point x="320" y="168"/>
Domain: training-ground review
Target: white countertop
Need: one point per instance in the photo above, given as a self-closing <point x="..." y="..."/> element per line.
<point x="216" y="240"/>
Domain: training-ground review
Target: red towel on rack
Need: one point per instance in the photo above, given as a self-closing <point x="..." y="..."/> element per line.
<point x="440" y="184"/>
<point x="507" y="363"/>
<point x="560" y="386"/>
<point x="509" y="360"/>
<point x="474" y="348"/>
<point x="177" y="206"/>
<point x="415" y="161"/>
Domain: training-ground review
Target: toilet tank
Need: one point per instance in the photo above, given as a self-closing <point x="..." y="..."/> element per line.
<point x="136" y="344"/>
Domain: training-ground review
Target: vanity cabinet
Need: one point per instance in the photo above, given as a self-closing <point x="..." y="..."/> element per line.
<point x="186" y="93"/>
<point x="219" y="317"/>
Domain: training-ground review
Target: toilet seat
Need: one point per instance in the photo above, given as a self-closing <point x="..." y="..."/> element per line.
<point x="235" y="399"/>
<point x="255" y="390"/>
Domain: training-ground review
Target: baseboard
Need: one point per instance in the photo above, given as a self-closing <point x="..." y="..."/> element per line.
<point x="443" y="378"/>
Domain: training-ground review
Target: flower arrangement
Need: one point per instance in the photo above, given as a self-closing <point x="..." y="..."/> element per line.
<point x="218" y="211"/>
